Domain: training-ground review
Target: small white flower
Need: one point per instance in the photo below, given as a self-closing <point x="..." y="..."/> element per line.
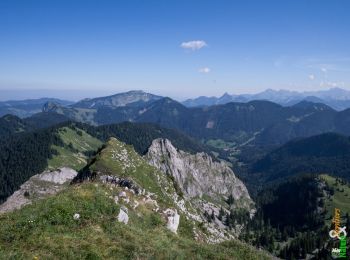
<point x="76" y="216"/>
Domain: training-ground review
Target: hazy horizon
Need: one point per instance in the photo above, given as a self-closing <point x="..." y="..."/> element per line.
<point x="76" y="94"/>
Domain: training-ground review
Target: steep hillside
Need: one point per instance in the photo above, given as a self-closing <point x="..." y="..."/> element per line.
<point x="70" y="145"/>
<point x="48" y="229"/>
<point x="317" y="154"/>
<point x="167" y="112"/>
<point x="10" y="124"/>
<point x="120" y="161"/>
<point x="83" y="115"/>
<point x="43" y="120"/>
<point x="338" y="196"/>
<point x="23" y="156"/>
<point x="294" y="217"/>
<point x="200" y="178"/>
<point x="141" y="135"/>
<point x="38" y="187"/>
<point x="76" y="149"/>
<point x="30" y="153"/>
<point x="121" y="207"/>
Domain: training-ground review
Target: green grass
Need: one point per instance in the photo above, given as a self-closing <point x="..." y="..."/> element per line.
<point x="340" y="199"/>
<point x="73" y="158"/>
<point x="47" y="230"/>
<point x="143" y="174"/>
<point x="220" y="144"/>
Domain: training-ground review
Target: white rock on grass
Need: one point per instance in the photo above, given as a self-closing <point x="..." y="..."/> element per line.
<point x="123" y="215"/>
<point x="173" y="219"/>
<point x="122" y="194"/>
<point x="136" y="204"/>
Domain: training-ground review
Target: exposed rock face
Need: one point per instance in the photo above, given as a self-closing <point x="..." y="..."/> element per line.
<point x="60" y="176"/>
<point x="206" y="186"/>
<point x="199" y="188"/>
<point x="39" y="186"/>
<point x="173" y="219"/>
<point x="196" y="174"/>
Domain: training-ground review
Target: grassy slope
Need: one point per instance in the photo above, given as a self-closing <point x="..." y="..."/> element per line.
<point x="73" y="158"/>
<point x="220" y="144"/>
<point x="53" y="234"/>
<point x="46" y="229"/>
<point x="129" y="164"/>
<point x="340" y="200"/>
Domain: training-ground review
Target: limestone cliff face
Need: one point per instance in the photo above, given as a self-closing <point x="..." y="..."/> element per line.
<point x="197" y="174"/>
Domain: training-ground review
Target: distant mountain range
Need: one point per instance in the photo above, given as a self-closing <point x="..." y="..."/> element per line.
<point x="337" y="98"/>
<point x="28" y="107"/>
<point x="254" y="122"/>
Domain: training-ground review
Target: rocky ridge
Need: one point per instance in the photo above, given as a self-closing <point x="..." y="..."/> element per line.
<point x="39" y="186"/>
<point x="177" y="186"/>
<point x="197" y="174"/>
<point x="145" y="182"/>
<point x="206" y="185"/>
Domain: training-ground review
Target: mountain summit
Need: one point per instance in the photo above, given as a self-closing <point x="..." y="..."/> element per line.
<point x="134" y="97"/>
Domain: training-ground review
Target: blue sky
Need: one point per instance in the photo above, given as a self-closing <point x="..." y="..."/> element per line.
<point x="74" y="49"/>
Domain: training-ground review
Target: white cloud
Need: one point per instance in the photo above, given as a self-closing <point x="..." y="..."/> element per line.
<point x="331" y="84"/>
<point x="311" y="76"/>
<point x="204" y="70"/>
<point x="324" y="70"/>
<point x="193" y="45"/>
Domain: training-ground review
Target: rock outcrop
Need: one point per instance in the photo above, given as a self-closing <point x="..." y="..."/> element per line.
<point x="206" y="189"/>
<point x="59" y="176"/>
<point x="174" y="184"/>
<point x="39" y="186"/>
<point x="123" y="215"/>
<point x="196" y="174"/>
<point x="173" y="219"/>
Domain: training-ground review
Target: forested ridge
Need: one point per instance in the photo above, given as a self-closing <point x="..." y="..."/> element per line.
<point x="141" y="135"/>
<point x="325" y="153"/>
<point x="10" y="124"/>
<point x="24" y="155"/>
<point x="291" y="219"/>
